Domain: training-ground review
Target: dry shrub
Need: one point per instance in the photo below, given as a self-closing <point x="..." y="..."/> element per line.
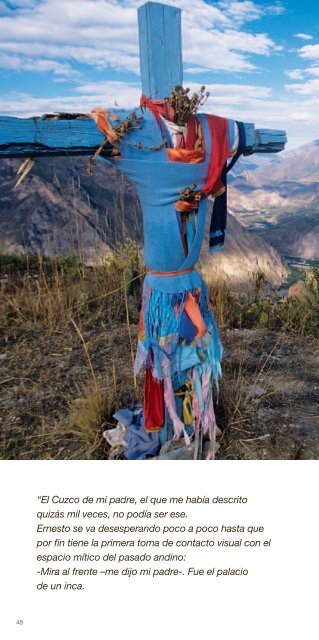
<point x="50" y="292"/>
<point x="90" y="414"/>
<point x="292" y="315"/>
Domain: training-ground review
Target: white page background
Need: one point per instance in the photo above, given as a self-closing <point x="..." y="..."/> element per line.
<point x="278" y="598"/>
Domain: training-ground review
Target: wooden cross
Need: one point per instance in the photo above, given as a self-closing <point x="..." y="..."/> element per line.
<point x="170" y="250"/>
<point x="161" y="68"/>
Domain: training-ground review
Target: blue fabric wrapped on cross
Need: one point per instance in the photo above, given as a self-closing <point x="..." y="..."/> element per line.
<point x="174" y="167"/>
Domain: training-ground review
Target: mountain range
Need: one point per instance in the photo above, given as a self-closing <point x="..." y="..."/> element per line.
<point x="60" y="208"/>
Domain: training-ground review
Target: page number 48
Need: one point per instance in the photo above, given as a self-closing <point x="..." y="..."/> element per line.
<point x="19" y="622"/>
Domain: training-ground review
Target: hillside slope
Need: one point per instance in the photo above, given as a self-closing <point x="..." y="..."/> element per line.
<point x="243" y="253"/>
<point x="60" y="208"/>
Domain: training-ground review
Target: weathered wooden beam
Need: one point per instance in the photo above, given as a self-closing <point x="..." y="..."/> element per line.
<point x="22" y="137"/>
<point x="160" y="36"/>
<point x="264" y="140"/>
<point x="269" y="140"/>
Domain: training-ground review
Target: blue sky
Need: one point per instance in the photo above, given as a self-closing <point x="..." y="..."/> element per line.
<point x="259" y="60"/>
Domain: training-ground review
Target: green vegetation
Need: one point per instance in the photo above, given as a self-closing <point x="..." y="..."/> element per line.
<point x="293" y="315"/>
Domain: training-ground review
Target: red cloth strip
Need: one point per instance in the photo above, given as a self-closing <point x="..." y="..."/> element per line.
<point x="158" y="108"/>
<point x="219" y="154"/>
<point x="153" y="402"/>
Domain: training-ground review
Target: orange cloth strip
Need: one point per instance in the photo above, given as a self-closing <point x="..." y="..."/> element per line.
<point x="100" y="117"/>
<point x="192" y="310"/>
<point x="171" y="273"/>
<point x="185" y="155"/>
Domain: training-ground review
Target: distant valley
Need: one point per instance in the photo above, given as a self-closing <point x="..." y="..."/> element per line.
<point x="279" y="200"/>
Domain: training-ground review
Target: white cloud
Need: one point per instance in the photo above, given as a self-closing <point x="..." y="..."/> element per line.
<point x="310" y="51"/>
<point x="247" y="11"/>
<point x="304" y="36"/>
<point x="22" y="63"/>
<point x="309" y="74"/>
<point x="105" y="94"/>
<point x="313" y="71"/>
<point x="275" y="9"/>
<point x="94" y="32"/>
<point x="103" y="33"/>
<point x="241" y="12"/>
<point x="196" y="69"/>
<point x="295" y="74"/>
<point x="309" y="88"/>
<point x="233" y="96"/>
<point x="301" y="116"/>
<point x="99" y="58"/>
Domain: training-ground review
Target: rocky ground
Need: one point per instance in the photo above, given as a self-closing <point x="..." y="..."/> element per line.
<point x="279" y="416"/>
<point x="58" y="391"/>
